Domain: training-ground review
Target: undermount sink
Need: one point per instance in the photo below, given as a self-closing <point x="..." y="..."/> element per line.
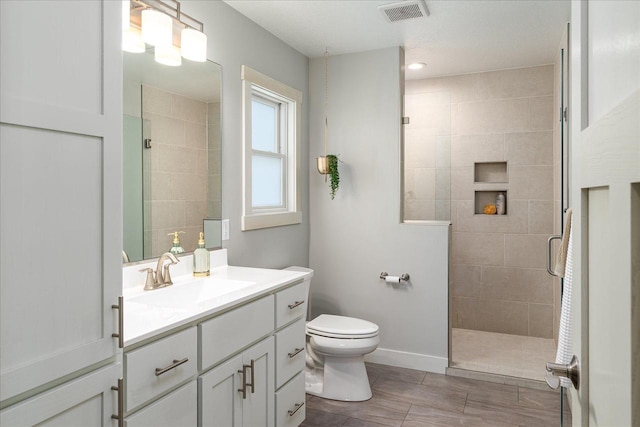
<point x="191" y="293"/>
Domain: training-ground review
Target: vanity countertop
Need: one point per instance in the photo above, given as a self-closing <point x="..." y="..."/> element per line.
<point x="149" y="313"/>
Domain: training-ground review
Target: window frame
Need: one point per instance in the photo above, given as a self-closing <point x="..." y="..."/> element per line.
<point x="290" y="130"/>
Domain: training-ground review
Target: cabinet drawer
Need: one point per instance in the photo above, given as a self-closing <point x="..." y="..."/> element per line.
<point x="290" y="403"/>
<point x="290" y="351"/>
<point x="179" y="408"/>
<point x="226" y="334"/>
<point x="145" y="381"/>
<point x="291" y="304"/>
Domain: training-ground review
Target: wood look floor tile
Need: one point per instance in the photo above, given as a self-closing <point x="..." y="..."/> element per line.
<point x="549" y="400"/>
<point x="514" y="414"/>
<point x="395" y="373"/>
<point x="315" y="418"/>
<point x="478" y="390"/>
<point x="354" y="422"/>
<point x="425" y="416"/>
<point x="379" y="410"/>
<point x="418" y="394"/>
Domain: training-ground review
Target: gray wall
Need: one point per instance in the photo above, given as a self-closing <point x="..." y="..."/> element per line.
<point x="358" y="235"/>
<point x="233" y="41"/>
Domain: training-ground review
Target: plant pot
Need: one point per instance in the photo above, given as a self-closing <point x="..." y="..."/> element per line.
<point x="323" y="165"/>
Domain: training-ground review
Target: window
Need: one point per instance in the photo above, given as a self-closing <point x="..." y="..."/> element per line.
<point x="271" y="144"/>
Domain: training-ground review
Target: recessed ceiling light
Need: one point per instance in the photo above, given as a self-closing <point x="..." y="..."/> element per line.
<point x="417" y="66"/>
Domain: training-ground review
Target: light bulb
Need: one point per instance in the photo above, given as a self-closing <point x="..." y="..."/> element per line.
<point x="132" y="40"/>
<point x="157" y="28"/>
<point x="193" y="45"/>
<point x="168" y="55"/>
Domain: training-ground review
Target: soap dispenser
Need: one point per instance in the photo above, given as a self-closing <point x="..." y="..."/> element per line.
<point x="201" y="259"/>
<point x="176" y="248"/>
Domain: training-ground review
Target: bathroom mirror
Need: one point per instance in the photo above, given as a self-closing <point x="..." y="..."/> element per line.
<point x="171" y="154"/>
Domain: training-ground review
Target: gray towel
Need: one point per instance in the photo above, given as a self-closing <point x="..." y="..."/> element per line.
<point x="561" y="258"/>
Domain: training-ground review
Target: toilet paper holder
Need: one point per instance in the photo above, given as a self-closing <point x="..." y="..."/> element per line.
<point x="403" y="276"/>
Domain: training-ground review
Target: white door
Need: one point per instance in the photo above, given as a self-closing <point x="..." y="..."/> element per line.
<point x="60" y="187"/>
<point x="605" y="144"/>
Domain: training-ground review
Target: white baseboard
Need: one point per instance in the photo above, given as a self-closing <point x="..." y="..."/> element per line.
<point x="403" y="359"/>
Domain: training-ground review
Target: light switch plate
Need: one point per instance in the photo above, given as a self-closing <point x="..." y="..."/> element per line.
<point x="225" y="229"/>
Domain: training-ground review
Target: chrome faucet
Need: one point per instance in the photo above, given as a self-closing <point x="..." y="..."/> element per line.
<point x="161" y="277"/>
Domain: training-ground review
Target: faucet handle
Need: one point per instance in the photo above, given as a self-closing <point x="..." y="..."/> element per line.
<point x="167" y="275"/>
<point x="150" y="282"/>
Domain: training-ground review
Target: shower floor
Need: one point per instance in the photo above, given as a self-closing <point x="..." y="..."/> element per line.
<point x="501" y="354"/>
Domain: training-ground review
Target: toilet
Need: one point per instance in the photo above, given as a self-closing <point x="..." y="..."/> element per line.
<point x="336" y="346"/>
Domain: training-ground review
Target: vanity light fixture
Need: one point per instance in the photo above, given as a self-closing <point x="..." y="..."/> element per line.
<point x="161" y="24"/>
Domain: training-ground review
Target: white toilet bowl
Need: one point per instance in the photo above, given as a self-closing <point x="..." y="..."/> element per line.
<point x="336" y="346"/>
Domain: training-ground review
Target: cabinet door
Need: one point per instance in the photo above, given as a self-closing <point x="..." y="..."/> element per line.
<point x="257" y="408"/>
<point x="220" y="403"/>
<point x="87" y="401"/>
<point x="60" y="186"/>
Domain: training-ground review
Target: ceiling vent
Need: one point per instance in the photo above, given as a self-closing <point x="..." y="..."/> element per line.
<point x="403" y="10"/>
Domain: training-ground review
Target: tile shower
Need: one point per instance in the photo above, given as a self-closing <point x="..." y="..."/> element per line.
<point x="469" y="137"/>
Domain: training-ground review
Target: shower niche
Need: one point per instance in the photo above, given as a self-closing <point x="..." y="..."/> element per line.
<point x="490" y="179"/>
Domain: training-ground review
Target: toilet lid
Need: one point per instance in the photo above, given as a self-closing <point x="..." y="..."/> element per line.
<point x="341" y="327"/>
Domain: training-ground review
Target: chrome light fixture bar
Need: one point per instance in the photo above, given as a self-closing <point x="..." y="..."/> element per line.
<point x="162" y="24"/>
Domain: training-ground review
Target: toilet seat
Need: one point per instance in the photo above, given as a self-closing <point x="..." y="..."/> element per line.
<point x="341" y="327"/>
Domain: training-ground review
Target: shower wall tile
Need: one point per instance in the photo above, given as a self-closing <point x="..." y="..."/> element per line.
<point x="494" y="116"/>
<point x="516" y="83"/>
<point x="541" y="110"/>
<point x="195" y="135"/>
<point x="525" y="250"/>
<point x="541" y="320"/>
<point x="443" y="210"/>
<point x="498" y="263"/>
<point x="188" y="110"/>
<point x="195" y="212"/>
<point x="419" y="209"/>
<point x="521" y="179"/>
<point x="167" y="214"/>
<point x="478" y="248"/>
<point x="529" y="148"/>
<point x="520" y="284"/>
<point x="515" y="222"/>
<point x="425" y="183"/>
<point x="176" y="159"/>
<point x="541" y="216"/>
<point x="164" y="129"/>
<point x="443" y="184"/>
<point x="462" y="183"/>
<point x="504" y="317"/>
<point x="156" y="101"/>
<point x="469" y="149"/>
<point x="420" y="149"/>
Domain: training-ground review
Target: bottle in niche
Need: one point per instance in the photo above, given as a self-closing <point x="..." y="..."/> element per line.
<point x="201" y="259"/>
<point x="500" y="204"/>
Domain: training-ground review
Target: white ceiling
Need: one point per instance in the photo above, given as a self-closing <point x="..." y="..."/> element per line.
<point x="460" y="36"/>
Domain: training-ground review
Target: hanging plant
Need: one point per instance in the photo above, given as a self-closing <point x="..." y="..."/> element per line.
<point x="334" y="173"/>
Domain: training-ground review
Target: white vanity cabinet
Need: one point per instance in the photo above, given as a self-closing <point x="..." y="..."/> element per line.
<point x="240" y="366"/>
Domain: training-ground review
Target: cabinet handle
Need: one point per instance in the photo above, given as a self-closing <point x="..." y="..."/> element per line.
<point x="253" y="382"/>
<point x="295" y="304"/>
<point x="243" y="390"/>
<point x="295" y="352"/>
<point x="120" y="390"/>
<point x="175" y="364"/>
<point x="297" y="408"/>
<point x="120" y="334"/>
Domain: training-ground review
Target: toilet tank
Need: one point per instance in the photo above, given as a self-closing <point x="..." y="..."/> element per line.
<point x="307" y="280"/>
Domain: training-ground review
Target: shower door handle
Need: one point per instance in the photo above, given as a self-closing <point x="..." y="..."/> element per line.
<point x="570" y="370"/>
<point x="551" y="239"/>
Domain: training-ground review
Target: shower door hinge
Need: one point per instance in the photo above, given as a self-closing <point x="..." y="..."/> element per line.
<point x="564" y="114"/>
<point x="405" y="120"/>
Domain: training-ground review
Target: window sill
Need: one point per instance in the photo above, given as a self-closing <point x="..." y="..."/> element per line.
<point x="256" y="222"/>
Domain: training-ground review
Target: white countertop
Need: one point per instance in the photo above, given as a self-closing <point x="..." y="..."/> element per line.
<point x="149" y="313"/>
